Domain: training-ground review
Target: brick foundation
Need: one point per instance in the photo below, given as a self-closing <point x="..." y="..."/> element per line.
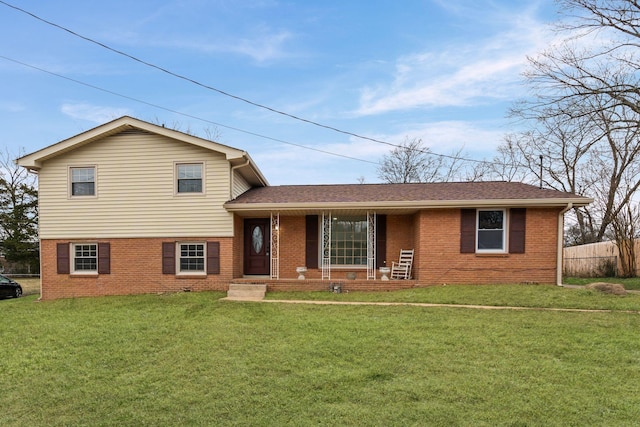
<point x="136" y="268"/>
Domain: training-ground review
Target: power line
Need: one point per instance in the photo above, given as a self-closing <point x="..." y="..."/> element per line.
<point x="181" y="113"/>
<point x="239" y="98"/>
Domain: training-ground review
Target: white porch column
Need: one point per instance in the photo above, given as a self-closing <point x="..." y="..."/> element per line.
<point x="371" y="245"/>
<point x="275" y="245"/>
<point x="326" y="245"/>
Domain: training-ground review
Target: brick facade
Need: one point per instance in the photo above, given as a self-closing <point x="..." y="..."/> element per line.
<point x="136" y="268"/>
<point x="435" y="236"/>
<point x="136" y="264"/>
<point x="439" y="259"/>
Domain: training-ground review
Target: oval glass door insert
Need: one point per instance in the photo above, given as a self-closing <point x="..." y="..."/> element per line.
<point x="257" y="239"/>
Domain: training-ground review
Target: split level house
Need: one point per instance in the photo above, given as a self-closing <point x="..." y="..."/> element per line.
<point x="130" y="207"/>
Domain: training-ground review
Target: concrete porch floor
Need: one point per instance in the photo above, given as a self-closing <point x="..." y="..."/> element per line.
<point x="296" y="285"/>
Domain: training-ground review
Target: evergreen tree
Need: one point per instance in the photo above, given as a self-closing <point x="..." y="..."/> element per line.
<point x="18" y="216"/>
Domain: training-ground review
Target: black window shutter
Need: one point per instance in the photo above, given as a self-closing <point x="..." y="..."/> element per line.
<point x="63" y="260"/>
<point x="104" y="258"/>
<point x="517" y="230"/>
<point x="467" y="231"/>
<point x="381" y="240"/>
<point x="168" y="258"/>
<point x="213" y="257"/>
<point x="312" y="241"/>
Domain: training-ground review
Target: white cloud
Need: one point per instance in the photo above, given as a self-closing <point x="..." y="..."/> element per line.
<point x="262" y="46"/>
<point x="466" y="74"/>
<point x="445" y="137"/>
<point x="93" y="113"/>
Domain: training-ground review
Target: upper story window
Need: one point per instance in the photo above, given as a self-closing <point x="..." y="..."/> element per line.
<point x="189" y="178"/>
<point x="491" y="231"/>
<point x="349" y="241"/>
<point x="83" y="181"/>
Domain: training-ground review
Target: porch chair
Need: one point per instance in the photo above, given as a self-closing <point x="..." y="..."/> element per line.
<point x="402" y="268"/>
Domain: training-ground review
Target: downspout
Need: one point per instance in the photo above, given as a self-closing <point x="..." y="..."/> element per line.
<point x="560" y="248"/>
<point x="35" y="172"/>
<point x="233" y="168"/>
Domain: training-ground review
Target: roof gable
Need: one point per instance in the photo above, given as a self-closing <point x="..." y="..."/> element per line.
<point x="126" y="124"/>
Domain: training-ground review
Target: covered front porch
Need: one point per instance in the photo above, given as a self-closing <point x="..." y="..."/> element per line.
<point x="354" y="247"/>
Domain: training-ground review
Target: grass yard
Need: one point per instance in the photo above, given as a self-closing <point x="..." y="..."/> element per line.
<point x="540" y="296"/>
<point x="190" y="359"/>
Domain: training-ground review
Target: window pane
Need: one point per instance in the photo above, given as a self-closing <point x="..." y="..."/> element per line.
<point x="191" y="264"/>
<point x="349" y="241"/>
<point x="85" y="257"/>
<point x="82" y="174"/>
<point x="82" y="189"/>
<point x="491" y="230"/>
<point x="190" y="178"/>
<point x="190" y="171"/>
<point x="490" y="239"/>
<point x="83" y="182"/>
<point x="490" y="220"/>
<point x="192" y="257"/>
<point x="189" y="186"/>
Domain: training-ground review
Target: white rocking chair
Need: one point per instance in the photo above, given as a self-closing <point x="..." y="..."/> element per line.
<point x="402" y="268"/>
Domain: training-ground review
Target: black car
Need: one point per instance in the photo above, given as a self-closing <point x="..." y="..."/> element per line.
<point x="9" y="288"/>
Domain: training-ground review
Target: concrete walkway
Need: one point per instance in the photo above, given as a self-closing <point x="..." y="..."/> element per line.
<point x="420" y="304"/>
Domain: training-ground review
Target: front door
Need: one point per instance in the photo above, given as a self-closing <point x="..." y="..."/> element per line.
<point x="257" y="232"/>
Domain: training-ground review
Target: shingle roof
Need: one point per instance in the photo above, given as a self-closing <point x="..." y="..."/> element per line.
<point x="399" y="195"/>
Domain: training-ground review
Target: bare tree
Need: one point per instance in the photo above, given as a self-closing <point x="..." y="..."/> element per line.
<point x="413" y="161"/>
<point x="212" y="133"/>
<point x="584" y="117"/>
<point x="625" y="228"/>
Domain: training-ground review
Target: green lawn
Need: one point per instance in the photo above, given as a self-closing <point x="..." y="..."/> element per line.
<point x="190" y="359"/>
<point x="543" y="296"/>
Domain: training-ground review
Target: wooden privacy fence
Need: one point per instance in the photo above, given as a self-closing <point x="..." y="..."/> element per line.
<point x="594" y="260"/>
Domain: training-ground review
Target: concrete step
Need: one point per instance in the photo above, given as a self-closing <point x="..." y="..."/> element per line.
<point x="246" y="292"/>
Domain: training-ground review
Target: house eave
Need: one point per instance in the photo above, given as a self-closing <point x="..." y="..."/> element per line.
<point x="406" y="207"/>
<point x="249" y="170"/>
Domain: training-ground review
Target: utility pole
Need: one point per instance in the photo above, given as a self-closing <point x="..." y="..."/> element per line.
<point x="540" y="170"/>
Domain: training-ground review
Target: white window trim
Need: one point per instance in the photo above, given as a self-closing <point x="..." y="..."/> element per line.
<point x="72" y="253"/>
<point x="191" y="273"/>
<point x="70" y="181"/>
<point x="505" y="228"/>
<point x="175" y="178"/>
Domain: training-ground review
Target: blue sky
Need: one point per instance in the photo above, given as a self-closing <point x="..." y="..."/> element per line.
<point x="445" y="71"/>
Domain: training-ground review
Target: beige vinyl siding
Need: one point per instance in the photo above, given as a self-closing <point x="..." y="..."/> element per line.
<point x="240" y="185"/>
<point x="136" y="197"/>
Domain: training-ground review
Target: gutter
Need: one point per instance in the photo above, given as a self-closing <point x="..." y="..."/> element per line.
<point x="233" y="168"/>
<point x="407" y="204"/>
<point x="559" y="251"/>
